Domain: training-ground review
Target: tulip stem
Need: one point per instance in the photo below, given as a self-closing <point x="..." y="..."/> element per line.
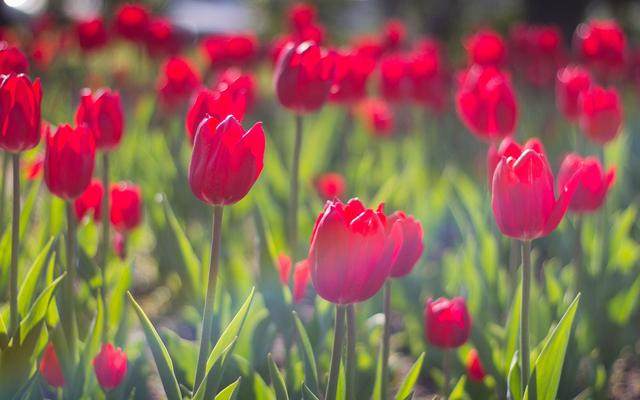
<point x="577" y="262"/>
<point x="446" y="355"/>
<point x="514" y="256"/>
<point x="207" y="318"/>
<point x="295" y="171"/>
<point x="70" y="318"/>
<point x="334" y="368"/>
<point x="386" y="307"/>
<point x="15" y="244"/>
<point x="3" y="184"/>
<point x="524" y="314"/>
<point x="351" y="364"/>
<point x="104" y="251"/>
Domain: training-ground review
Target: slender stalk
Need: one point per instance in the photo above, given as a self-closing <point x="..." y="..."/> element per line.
<point x="334" y="369"/>
<point x="72" y="251"/>
<point x="351" y="364"/>
<point x="524" y="313"/>
<point x="3" y="184"/>
<point x="446" y="361"/>
<point x="386" y="335"/>
<point x="104" y="250"/>
<point x="207" y="318"/>
<point x="293" y="193"/>
<point x="514" y="256"/>
<point x="15" y="245"/>
<point x="578" y="255"/>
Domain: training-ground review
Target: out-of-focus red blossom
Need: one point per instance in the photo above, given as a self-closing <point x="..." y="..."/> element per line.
<point x="571" y="81"/>
<point x="19" y="112"/>
<point x="215" y="104"/>
<point x="300" y="16"/>
<point x="522" y="195"/>
<point x="240" y="84"/>
<point x="162" y="38"/>
<point x="301" y="276"/>
<point x="475" y="369"/>
<point x="412" y="243"/>
<point x="132" y="21"/>
<point x="110" y="366"/>
<point x="284" y="268"/>
<point x="593" y="182"/>
<point x="486" y="48"/>
<point x="330" y="185"/>
<point x="600" y="114"/>
<point x="429" y="78"/>
<point x="377" y="116"/>
<point x="33" y="168"/>
<point x="351" y="253"/>
<point x="509" y="148"/>
<point x="177" y="81"/>
<point x="226" y="160"/>
<point x="486" y="103"/>
<point x="538" y="52"/>
<point x="90" y="201"/>
<point x="102" y="113"/>
<point x="352" y="73"/>
<point x="368" y="45"/>
<point x="50" y="367"/>
<point x="125" y="206"/>
<point x="603" y="45"/>
<point x="447" y="322"/>
<point x="12" y="60"/>
<point x="120" y="245"/>
<point x="44" y="23"/>
<point x="223" y="51"/>
<point x="304" y="76"/>
<point x="394" y="34"/>
<point x="44" y="49"/>
<point x="395" y="84"/>
<point x="91" y="34"/>
<point x="69" y="160"/>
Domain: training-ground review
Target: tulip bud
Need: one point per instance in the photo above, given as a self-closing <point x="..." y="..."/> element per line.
<point x="522" y="196"/>
<point x="125" y="207"/>
<point x="429" y="79"/>
<point x="69" y="160"/>
<point x="593" y="184"/>
<point x="162" y="37"/>
<point x="303" y="77"/>
<point x="412" y="244"/>
<point x="110" y="366"/>
<point x="600" y="114"/>
<point x="301" y="16"/>
<point x="19" y="113"/>
<point x="217" y="104"/>
<point x="602" y="44"/>
<point x="230" y="50"/>
<point x="486" y="48"/>
<point x="131" y="21"/>
<point x="330" y="185"/>
<point x="50" y="367"/>
<point x="90" y="201"/>
<point x="226" y="160"/>
<point x="177" y="81"/>
<point x="377" y="116"/>
<point x="571" y="81"/>
<point x="102" y="113"/>
<point x="509" y="148"/>
<point x="447" y="322"/>
<point x="284" y="268"/>
<point x="475" y="369"/>
<point x="351" y="76"/>
<point x="537" y="52"/>
<point x="395" y="84"/>
<point x="12" y="60"/>
<point x="91" y="34"/>
<point x="301" y="276"/>
<point x="241" y="85"/>
<point x="351" y="253"/>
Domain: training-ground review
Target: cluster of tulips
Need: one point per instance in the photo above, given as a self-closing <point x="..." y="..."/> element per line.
<point x="354" y="251"/>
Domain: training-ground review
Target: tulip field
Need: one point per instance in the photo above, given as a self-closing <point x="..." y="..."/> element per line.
<point x="293" y="213"/>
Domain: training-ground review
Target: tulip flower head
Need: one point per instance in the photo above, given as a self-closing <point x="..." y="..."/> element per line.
<point x="226" y="160"/>
<point x="178" y="79"/>
<point x="91" y="34"/>
<point x="50" y="367"/>
<point x="603" y="45"/>
<point x="12" y="60"/>
<point x="475" y="369"/>
<point x="600" y="114"/>
<point x="131" y="21"/>
<point x="377" y="116"/>
<point x="241" y="85"/>
<point x="110" y="366"/>
<point x="509" y="148"/>
<point x="330" y="185"/>
<point x="284" y="268"/>
<point x="447" y="322"/>
<point x="19" y="113"/>
<point x="301" y="276"/>
<point x="412" y="243"/>
<point x="162" y="37"/>
<point x="429" y="79"/>
<point x="538" y="52"/>
<point x="216" y="104"/>
<point x="300" y="16"/>
<point x="125" y="206"/>
<point x="394" y="34"/>
<point x="593" y="183"/>
<point x="395" y="83"/>
<point x="102" y="113"/>
<point x="90" y="201"/>
<point x="351" y="76"/>
<point x="224" y="51"/>
<point x="571" y="81"/>
<point x="522" y="195"/>
<point x="486" y="48"/>
<point x="351" y="253"/>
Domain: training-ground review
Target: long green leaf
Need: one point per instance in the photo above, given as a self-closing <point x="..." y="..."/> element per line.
<point x="307" y="394"/>
<point x="514" y="388"/>
<point x="410" y="380"/>
<point x="189" y="257"/>
<point x="230" y="392"/>
<point x="277" y="381"/>
<point x="39" y="309"/>
<point x="25" y="295"/>
<point x="214" y="375"/>
<point x="310" y="367"/>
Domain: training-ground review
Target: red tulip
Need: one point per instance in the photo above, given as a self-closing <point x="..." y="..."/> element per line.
<point x="226" y="160"/>
<point x="223" y="51"/>
<point x="593" y="182"/>
<point x="120" y="245"/>
<point x="102" y="113"/>
<point x="110" y="366"/>
<point x="412" y="244"/>
<point x="351" y="254"/>
<point x="447" y="322"/>
<point x="537" y="52"/>
<point x="394" y="34"/>
<point x="132" y="21"/>
<point x="217" y="104"/>
<point x="377" y="116"/>
<point x="486" y="48"/>
<point x="600" y="114"/>
<point x="486" y="103"/>
<point x="395" y="84"/>
<point x="330" y="185"/>
<point x="475" y="369"/>
<point x="303" y="77"/>
<point x="91" y="34"/>
<point x="162" y="37"/>
<point x="351" y="75"/>
<point x="69" y="160"/>
<point x="12" y="60"/>
<point x="429" y="81"/>
<point x="301" y="16"/>
<point x="523" y="200"/>
<point x="368" y="45"/>
<point x="241" y="85"/>
<point x="284" y="268"/>
<point x="301" y="276"/>
<point x="571" y="81"/>
<point x="125" y="206"/>
<point x="509" y="148"/>
<point x="602" y="44"/>
<point x="50" y="367"/>
<point x="33" y="169"/>
<point x="90" y="201"/>
<point x="177" y="81"/>
<point x="19" y="113"/>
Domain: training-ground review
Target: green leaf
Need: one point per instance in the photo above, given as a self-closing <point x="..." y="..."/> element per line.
<point x="512" y="329"/>
<point x="277" y="381"/>
<point x="410" y="380"/>
<point x="310" y="368"/>
<point x="458" y="392"/>
<point x="545" y="378"/>
<point x="39" y="309"/>
<point x="341" y="390"/>
<point x="213" y="377"/>
<point x="514" y="389"/>
<point x="307" y="394"/>
<point x="377" y="384"/>
<point x="25" y="296"/>
<point x="230" y="392"/>
<point x="621" y="307"/>
<point x="160" y="354"/>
